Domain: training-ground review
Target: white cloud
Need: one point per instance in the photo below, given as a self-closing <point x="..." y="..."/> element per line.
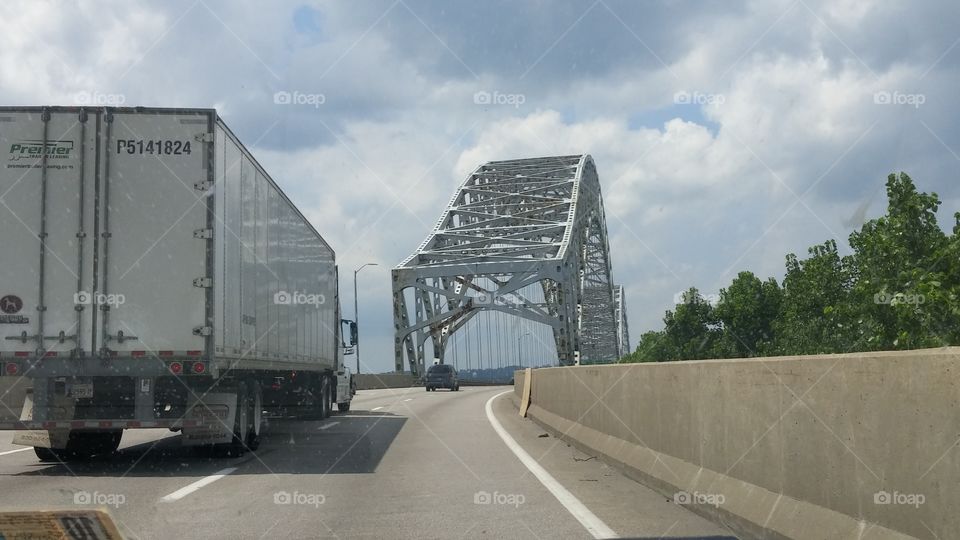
<point x="690" y="191"/>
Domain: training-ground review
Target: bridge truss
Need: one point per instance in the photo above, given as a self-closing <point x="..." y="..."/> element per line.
<point x="523" y="237"/>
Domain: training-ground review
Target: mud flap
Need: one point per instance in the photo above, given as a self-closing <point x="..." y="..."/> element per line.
<point x="344" y="394"/>
<point x="216" y="414"/>
<point x="42" y="438"/>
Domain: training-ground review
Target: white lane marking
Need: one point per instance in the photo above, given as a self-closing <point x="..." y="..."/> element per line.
<point x="329" y="425"/>
<point x="186" y="490"/>
<point x="409" y="399"/>
<point x="588" y="519"/>
<point x="376" y="408"/>
<point x="15" y="451"/>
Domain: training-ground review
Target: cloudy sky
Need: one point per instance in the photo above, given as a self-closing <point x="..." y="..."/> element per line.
<point x="726" y="134"/>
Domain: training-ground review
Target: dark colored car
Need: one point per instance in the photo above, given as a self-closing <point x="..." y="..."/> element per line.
<point x="442" y="376"/>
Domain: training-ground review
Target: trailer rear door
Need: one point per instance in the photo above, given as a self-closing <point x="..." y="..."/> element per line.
<point x="47" y="195"/>
<point x="155" y="211"/>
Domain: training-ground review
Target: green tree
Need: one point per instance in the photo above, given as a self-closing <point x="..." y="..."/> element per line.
<point x="651" y="348"/>
<point x="747" y="310"/>
<point x="907" y="272"/>
<point x="691" y="330"/>
<point x="900" y="289"/>
<point x="816" y="314"/>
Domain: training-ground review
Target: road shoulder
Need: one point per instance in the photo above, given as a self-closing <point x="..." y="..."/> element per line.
<point x="629" y="508"/>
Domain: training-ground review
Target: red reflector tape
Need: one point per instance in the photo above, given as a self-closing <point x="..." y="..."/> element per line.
<point x="194" y="353"/>
<point x="22" y="354"/>
<point x="166" y="353"/>
<point x="138" y="353"/>
<point x="49" y="354"/>
<point x="78" y="424"/>
<point x="106" y="424"/>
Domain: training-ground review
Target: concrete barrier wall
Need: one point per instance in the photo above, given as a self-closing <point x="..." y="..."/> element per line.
<point x="832" y="446"/>
<point x="372" y="381"/>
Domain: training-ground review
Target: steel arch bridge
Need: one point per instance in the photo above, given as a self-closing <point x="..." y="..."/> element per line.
<point x="526" y="238"/>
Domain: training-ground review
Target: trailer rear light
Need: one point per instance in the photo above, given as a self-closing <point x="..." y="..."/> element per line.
<point x="176" y="368"/>
<point x="12" y="368"/>
<point x="198" y="367"/>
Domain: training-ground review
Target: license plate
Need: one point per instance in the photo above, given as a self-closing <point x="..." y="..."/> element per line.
<point x="81" y="390"/>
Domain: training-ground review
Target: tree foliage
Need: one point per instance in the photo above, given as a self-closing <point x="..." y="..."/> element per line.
<point x="899" y="289"/>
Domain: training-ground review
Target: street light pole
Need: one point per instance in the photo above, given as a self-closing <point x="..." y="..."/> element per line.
<point x="356" y="312"/>
<point x="518" y="347"/>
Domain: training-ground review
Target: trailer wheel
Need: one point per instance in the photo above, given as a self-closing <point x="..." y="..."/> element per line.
<point x="107" y="442"/>
<point x="46" y="454"/>
<point x="82" y="445"/>
<point x="343" y="407"/>
<point x="256" y="414"/>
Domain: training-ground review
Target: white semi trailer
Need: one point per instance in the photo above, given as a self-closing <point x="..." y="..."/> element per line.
<point x="152" y="274"/>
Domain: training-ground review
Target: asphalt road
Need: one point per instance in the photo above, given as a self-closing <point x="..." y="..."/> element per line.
<point x="402" y="464"/>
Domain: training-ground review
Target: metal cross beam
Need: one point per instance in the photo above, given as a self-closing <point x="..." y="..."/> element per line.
<point x="511" y="225"/>
<point x="623" y="330"/>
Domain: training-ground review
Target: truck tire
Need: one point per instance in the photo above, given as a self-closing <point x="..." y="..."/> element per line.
<point x="343" y="407"/>
<point x="46" y="455"/>
<point x="82" y="445"/>
<point x="104" y="443"/>
<point x="256" y="414"/>
<point x="311" y="405"/>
